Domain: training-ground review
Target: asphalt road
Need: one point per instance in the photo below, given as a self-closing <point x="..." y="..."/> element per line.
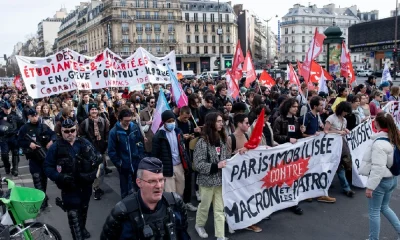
<point x="347" y="219"/>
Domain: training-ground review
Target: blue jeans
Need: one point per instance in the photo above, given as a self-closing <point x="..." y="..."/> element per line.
<point x="380" y="203"/>
<point x="341" y="173"/>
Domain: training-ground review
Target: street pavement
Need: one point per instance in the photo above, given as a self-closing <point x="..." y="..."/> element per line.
<point x="347" y="219"/>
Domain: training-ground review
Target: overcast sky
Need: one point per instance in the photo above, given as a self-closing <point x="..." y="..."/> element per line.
<point x="21" y="17"/>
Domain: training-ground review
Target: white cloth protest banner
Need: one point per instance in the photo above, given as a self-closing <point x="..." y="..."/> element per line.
<point x="393" y="107"/>
<point x="359" y="141"/>
<point x="6" y="81"/>
<point x="68" y="70"/>
<point x="263" y="181"/>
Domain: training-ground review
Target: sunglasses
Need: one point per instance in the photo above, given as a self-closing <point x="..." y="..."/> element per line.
<point x="69" y="131"/>
<point x="152" y="102"/>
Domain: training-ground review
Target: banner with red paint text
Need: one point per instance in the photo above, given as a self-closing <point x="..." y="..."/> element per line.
<point x="263" y="181"/>
<point x="68" y="70"/>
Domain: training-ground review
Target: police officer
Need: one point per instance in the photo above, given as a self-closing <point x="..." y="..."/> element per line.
<point x="72" y="162"/>
<point x="35" y="138"/>
<point x="149" y="213"/>
<point x="9" y="125"/>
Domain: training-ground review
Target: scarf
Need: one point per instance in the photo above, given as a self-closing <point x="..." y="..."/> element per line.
<point x="96" y="129"/>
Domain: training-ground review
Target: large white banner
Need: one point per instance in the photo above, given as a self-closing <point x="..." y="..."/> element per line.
<point x="359" y="142"/>
<point x="6" y="81"/>
<point x="393" y="108"/>
<point x="263" y="181"/>
<point x="68" y="70"/>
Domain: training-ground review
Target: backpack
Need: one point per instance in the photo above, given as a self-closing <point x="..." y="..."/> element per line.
<point x="233" y="138"/>
<point x="395" y="168"/>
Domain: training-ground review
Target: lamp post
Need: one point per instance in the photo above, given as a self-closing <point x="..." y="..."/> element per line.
<point x="395" y="56"/>
<point x="268" y="55"/>
<point x="219" y="33"/>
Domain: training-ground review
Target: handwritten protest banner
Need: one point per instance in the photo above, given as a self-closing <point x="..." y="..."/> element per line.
<point x="6" y="81"/>
<point x="393" y="108"/>
<point x="68" y="70"/>
<point x="359" y="141"/>
<point x="263" y="181"/>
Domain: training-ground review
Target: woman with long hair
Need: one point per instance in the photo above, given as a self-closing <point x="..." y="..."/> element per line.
<point x="209" y="158"/>
<point x="381" y="182"/>
<point x="394" y="93"/>
<point x="228" y="119"/>
<point x="45" y="114"/>
<point x="364" y="105"/>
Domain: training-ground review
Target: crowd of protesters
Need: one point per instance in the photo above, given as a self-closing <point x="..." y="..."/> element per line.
<point x="194" y="142"/>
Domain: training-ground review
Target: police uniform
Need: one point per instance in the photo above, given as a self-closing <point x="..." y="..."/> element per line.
<point x="73" y="168"/>
<point x="9" y="125"/>
<point x="41" y="135"/>
<point x="132" y="219"/>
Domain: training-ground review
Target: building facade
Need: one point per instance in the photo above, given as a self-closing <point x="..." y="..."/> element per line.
<point x="47" y="32"/>
<point x="375" y="42"/>
<point x="298" y="26"/>
<point x="393" y="12"/>
<point x="210" y="33"/>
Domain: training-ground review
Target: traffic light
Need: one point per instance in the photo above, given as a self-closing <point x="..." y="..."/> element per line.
<point x="5" y="57"/>
<point x="216" y="63"/>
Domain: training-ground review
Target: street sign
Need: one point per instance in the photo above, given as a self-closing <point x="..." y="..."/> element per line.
<point x="228" y="63"/>
<point x="219" y="31"/>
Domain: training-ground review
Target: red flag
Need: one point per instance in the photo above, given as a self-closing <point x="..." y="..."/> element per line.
<point x="317" y="71"/>
<point x="293" y="78"/>
<point x="316" y="47"/>
<point x="299" y="66"/>
<point x="248" y="67"/>
<point x="351" y="70"/>
<point x="344" y="64"/>
<point x="17" y="82"/>
<point x="233" y="88"/>
<point x="266" y="80"/>
<point x="256" y="135"/>
<point x="236" y="72"/>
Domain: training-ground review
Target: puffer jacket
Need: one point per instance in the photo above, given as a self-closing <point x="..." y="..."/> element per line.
<point x="376" y="162"/>
<point x="162" y="150"/>
<point x="280" y="129"/>
<point x="206" y="161"/>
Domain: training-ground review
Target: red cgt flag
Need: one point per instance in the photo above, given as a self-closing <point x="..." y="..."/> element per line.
<point x="236" y="72"/>
<point x="233" y="88"/>
<point x="316" y="47"/>
<point x="248" y="67"/>
<point x="299" y="66"/>
<point x="266" y="80"/>
<point x="293" y="78"/>
<point x="317" y="71"/>
<point x="256" y="135"/>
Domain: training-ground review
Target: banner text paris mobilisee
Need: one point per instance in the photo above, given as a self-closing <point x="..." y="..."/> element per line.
<point x="263" y="181"/>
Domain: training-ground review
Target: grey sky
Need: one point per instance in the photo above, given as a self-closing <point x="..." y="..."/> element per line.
<point x="20" y="17"/>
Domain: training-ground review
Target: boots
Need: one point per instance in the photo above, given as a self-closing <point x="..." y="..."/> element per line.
<point x="6" y="160"/>
<point x="83" y="217"/>
<point x="38" y="183"/>
<point x="73" y="221"/>
<point x="15" y="161"/>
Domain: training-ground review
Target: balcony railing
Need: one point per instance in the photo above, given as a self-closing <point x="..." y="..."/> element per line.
<point x="157" y="29"/>
<point x="209" y="20"/>
<point x="149" y="41"/>
<point x="156" y="17"/>
<point x="125" y="30"/>
<point x="140" y="29"/>
<point x="143" y="5"/>
<point x="171" y="40"/>
<point x="171" y="30"/>
<point x="148" y="29"/>
<point x="82" y="42"/>
<point x="328" y="22"/>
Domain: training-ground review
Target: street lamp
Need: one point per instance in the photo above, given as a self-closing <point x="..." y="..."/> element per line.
<point x="395" y="56"/>
<point x="267" y="21"/>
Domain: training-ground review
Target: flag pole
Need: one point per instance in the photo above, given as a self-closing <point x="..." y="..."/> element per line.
<point x="309" y="72"/>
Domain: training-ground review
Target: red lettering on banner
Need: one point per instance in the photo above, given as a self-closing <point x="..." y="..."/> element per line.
<point x="285" y="173"/>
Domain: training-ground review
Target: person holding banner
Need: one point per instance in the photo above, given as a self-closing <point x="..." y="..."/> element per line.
<point x="337" y="123"/>
<point x="381" y="182"/>
<point x="209" y="158"/>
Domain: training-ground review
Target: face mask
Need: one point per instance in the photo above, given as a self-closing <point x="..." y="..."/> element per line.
<point x="170" y="126"/>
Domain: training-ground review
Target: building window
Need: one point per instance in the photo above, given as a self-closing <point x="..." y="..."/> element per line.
<point x="186" y="16"/>
<point x="158" y="37"/>
<point x="213" y="39"/>
<point x="170" y="28"/>
<point x="204" y="17"/>
<point x="286" y="49"/>
<point x="171" y="48"/>
<point x="214" y="49"/>
<point x="221" y="39"/>
<point x="205" y="39"/>
<point x="196" y="38"/>
<point x="221" y="49"/>
<point x="228" y="28"/>
<point x="125" y="28"/>
<point x="293" y="58"/>
<point x="124" y="14"/>
<point x="189" y="50"/>
<point x="228" y="49"/>
<point x="226" y="17"/>
<point x="286" y="40"/>
<point x="293" y="49"/>
<point x="156" y="15"/>
<point x="303" y="57"/>
<point x="228" y="39"/>
<point x="196" y="28"/>
<point x="123" y="3"/>
<point x="168" y="4"/>
<point x="147" y="14"/>
<point x="187" y="28"/>
<point x="140" y="37"/>
<point x="205" y="49"/>
<point x="188" y="38"/>
<point x="303" y="30"/>
<point x="146" y="3"/>
<point x="137" y="3"/>
<point x="303" y="39"/>
<point x="158" y="49"/>
<point x="220" y="18"/>
<point x="139" y="27"/>
<point x="303" y="48"/>
<point x="286" y="30"/>
<point x="157" y="27"/>
<point x="154" y="3"/>
<point x="197" y="50"/>
<point x="125" y="49"/>
<point x="212" y="28"/>
<point x="170" y="16"/>
<point x="204" y="28"/>
<point x="125" y="38"/>
<point x="212" y="17"/>
<point x="196" y="17"/>
<point x="292" y="39"/>
<point x="149" y="48"/>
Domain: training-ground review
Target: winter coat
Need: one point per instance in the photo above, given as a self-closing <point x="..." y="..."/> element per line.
<point x="145" y="116"/>
<point x="280" y="129"/>
<point x="375" y="162"/>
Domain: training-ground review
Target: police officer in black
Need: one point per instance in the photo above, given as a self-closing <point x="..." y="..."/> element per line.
<point x="10" y="122"/>
<point x="72" y="163"/>
<point x="149" y="213"/>
<point x="35" y="138"/>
